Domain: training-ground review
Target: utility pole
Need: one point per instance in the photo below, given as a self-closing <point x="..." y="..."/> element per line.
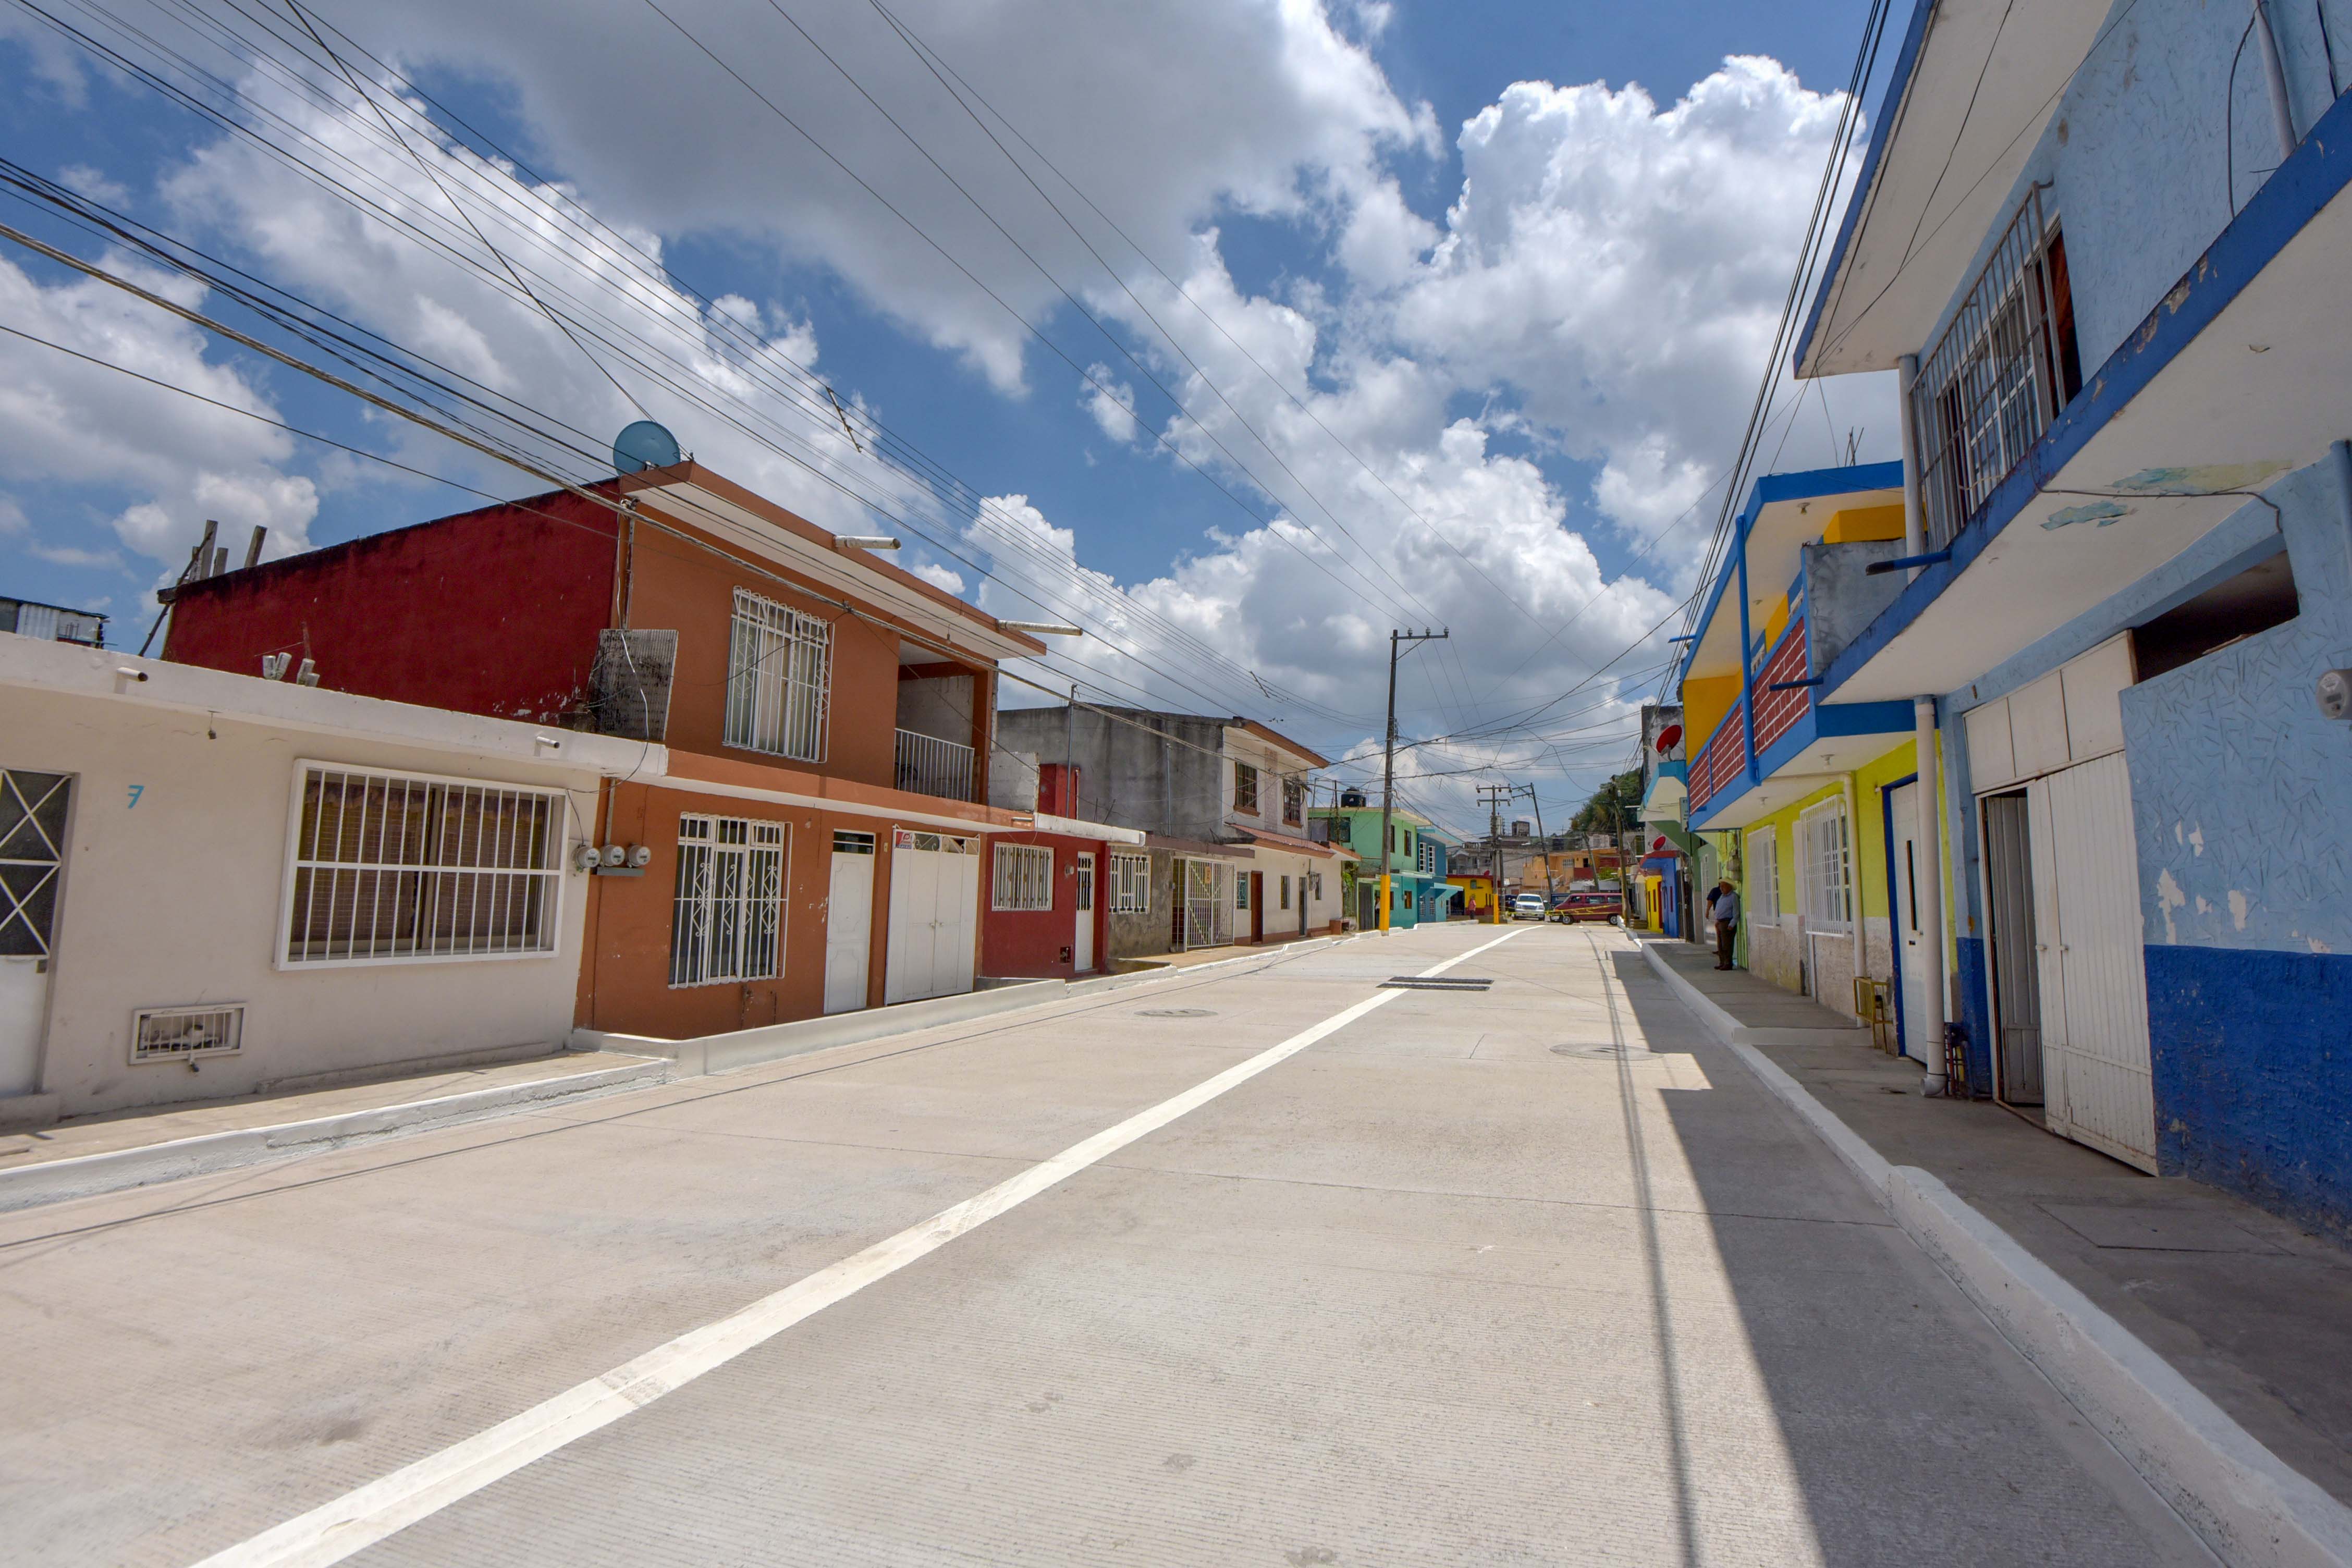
<point x="1388" y="764"/>
<point x="1529" y="791"/>
<point x="1494" y="795"/>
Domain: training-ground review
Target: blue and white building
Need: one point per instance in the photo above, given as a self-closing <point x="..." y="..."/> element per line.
<point x="2107" y="246"/>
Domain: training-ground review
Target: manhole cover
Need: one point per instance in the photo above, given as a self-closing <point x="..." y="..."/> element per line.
<point x="1630" y="1053"/>
<point x="1176" y="1013"/>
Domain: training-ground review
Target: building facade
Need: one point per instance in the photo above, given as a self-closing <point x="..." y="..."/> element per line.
<point x="799" y="855"/>
<point x="213" y="885"/>
<point x="2127" y="562"/>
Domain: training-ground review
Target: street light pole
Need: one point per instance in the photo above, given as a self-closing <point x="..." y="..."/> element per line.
<point x="1529" y="791"/>
<point x="1388" y="763"/>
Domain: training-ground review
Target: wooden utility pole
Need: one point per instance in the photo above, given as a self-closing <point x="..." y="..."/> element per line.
<point x="1388" y="764"/>
<point x="1529" y="791"/>
<point x="1494" y="795"/>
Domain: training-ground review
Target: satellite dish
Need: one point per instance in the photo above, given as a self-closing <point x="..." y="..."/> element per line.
<point x="644" y="445"/>
<point x="1668" y="738"/>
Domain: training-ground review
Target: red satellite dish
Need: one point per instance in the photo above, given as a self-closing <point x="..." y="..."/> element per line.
<point x="1669" y="738"/>
<point x="1658" y="845"/>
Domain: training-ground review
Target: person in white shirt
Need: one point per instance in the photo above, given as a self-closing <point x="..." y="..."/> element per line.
<point x="1723" y="908"/>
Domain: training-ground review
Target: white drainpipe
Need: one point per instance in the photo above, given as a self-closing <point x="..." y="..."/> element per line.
<point x="1927" y="1040"/>
<point x="1853" y="848"/>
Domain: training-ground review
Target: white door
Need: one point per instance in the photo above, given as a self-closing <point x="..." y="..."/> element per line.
<point x="934" y="908"/>
<point x="1922" y="1019"/>
<point x="1082" y="948"/>
<point x="2098" y="1084"/>
<point x="31" y="851"/>
<point x="849" y="922"/>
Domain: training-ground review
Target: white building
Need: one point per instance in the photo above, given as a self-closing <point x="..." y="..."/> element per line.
<point x="213" y="885"/>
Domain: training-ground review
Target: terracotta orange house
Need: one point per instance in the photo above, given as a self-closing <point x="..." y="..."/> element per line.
<point x="815" y="838"/>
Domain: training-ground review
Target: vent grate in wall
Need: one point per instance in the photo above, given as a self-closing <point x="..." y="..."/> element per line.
<point x="183" y="1033"/>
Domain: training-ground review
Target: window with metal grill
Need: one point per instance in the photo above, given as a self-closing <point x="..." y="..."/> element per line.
<point x="1760" y="859"/>
<point x="2002" y="370"/>
<point x="728" y="924"/>
<point x="1025" y="877"/>
<point x="1245" y="788"/>
<point x="1825" y="866"/>
<point x="779" y="679"/>
<point x="1294" y="801"/>
<point x="182" y="1034"/>
<point x="390" y="868"/>
<point x="1130" y="884"/>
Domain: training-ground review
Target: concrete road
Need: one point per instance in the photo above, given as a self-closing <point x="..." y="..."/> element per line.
<point x="1529" y="1274"/>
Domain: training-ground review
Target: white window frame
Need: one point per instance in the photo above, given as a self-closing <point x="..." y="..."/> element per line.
<point x="1022" y="879"/>
<point x="779" y="679"/>
<point x="1130" y="884"/>
<point x="1760" y="859"/>
<point x="1825" y="866"/>
<point x="750" y="944"/>
<point x="435" y="879"/>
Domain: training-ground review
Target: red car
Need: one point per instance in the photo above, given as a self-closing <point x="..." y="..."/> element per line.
<point x="1588" y="906"/>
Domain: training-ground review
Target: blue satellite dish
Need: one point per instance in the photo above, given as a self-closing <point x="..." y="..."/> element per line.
<point x="644" y="445"/>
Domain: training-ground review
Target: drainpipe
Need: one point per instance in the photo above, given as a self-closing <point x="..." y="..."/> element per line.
<point x="1747" y="704"/>
<point x="1930" y="875"/>
<point x="2275" y="78"/>
<point x="1853" y="848"/>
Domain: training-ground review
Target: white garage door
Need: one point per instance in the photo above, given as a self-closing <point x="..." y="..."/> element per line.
<point x="2097" y="1087"/>
<point x="934" y="908"/>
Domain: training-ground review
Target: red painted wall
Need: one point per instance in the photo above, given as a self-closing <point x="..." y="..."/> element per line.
<point x="1029" y="943"/>
<point x="494" y="611"/>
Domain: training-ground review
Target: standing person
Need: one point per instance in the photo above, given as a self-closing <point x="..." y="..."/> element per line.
<point x="1723" y="908"/>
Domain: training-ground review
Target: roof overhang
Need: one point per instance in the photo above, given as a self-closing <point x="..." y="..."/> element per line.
<point x="1974" y="84"/>
<point x="688" y="495"/>
<point x="36" y="664"/>
<point x="2233" y="379"/>
<point x="1275" y="739"/>
<point x="1784" y="513"/>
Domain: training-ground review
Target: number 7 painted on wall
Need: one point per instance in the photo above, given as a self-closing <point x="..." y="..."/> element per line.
<point x="136" y="791"/>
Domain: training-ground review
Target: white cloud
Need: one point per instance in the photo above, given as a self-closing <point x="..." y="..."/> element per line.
<point x="1110" y="403"/>
<point x="94" y="183"/>
<point x="939" y="576"/>
<point x="64" y="420"/>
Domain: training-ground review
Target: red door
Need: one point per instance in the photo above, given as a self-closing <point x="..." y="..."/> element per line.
<point x="1257" y="906"/>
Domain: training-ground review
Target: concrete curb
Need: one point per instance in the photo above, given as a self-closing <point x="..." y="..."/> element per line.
<point x="119" y="1170"/>
<point x="2241" y="1500"/>
<point x="1722" y="1024"/>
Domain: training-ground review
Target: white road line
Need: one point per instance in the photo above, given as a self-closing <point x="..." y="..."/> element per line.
<point x="365" y="1515"/>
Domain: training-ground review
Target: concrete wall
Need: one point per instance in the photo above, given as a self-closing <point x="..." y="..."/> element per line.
<point x="1162" y="772"/>
<point x="1040" y="943"/>
<point x="172" y="896"/>
<point x="2156" y="142"/>
<point x="1147" y="934"/>
<point x="2242" y="806"/>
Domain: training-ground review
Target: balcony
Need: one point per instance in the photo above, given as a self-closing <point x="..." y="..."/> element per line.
<point x="1799" y="740"/>
<point x="929" y="765"/>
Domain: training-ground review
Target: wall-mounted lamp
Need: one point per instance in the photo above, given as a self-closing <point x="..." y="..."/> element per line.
<point x="2335" y="694"/>
<point x="864" y="542"/>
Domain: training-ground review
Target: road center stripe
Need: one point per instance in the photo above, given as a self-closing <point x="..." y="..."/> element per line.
<point x="365" y="1515"/>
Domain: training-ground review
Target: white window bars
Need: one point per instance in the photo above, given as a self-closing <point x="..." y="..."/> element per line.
<point x="2002" y="371"/>
<point x="390" y="868"/>
<point x="1208" y="903"/>
<point x="1825" y="867"/>
<point x="779" y="679"/>
<point x="929" y="765"/>
<point x="1025" y="877"/>
<point x="1130" y="884"/>
<point x="1760" y="858"/>
<point x="728" y="922"/>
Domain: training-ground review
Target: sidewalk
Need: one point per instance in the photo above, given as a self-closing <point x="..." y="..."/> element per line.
<point x="2255" y="1312"/>
<point x="1152" y="963"/>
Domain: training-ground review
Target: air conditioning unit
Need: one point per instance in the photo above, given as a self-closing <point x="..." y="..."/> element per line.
<point x="187" y="1034"/>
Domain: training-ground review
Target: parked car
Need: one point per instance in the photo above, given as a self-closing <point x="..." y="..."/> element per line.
<point x="1588" y="906"/>
<point x="1528" y="907"/>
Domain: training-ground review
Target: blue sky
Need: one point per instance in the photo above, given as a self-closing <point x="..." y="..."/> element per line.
<point x="1498" y="361"/>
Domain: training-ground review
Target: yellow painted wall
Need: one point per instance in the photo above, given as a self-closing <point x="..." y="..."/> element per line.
<point x="1859" y="523"/>
<point x="1776" y="621"/>
<point x="1705" y="700"/>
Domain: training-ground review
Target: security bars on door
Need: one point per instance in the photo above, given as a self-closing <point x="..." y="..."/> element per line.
<point x="1996" y="379"/>
<point x="779" y="679"/>
<point x="1208" y="904"/>
<point x="731" y="886"/>
<point x="1024" y="876"/>
<point x="32" y="842"/>
<point x="390" y="868"/>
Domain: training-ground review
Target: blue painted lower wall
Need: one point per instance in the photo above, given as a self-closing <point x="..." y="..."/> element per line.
<point x="2253" y="1076"/>
<point x="1976" y="1015"/>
